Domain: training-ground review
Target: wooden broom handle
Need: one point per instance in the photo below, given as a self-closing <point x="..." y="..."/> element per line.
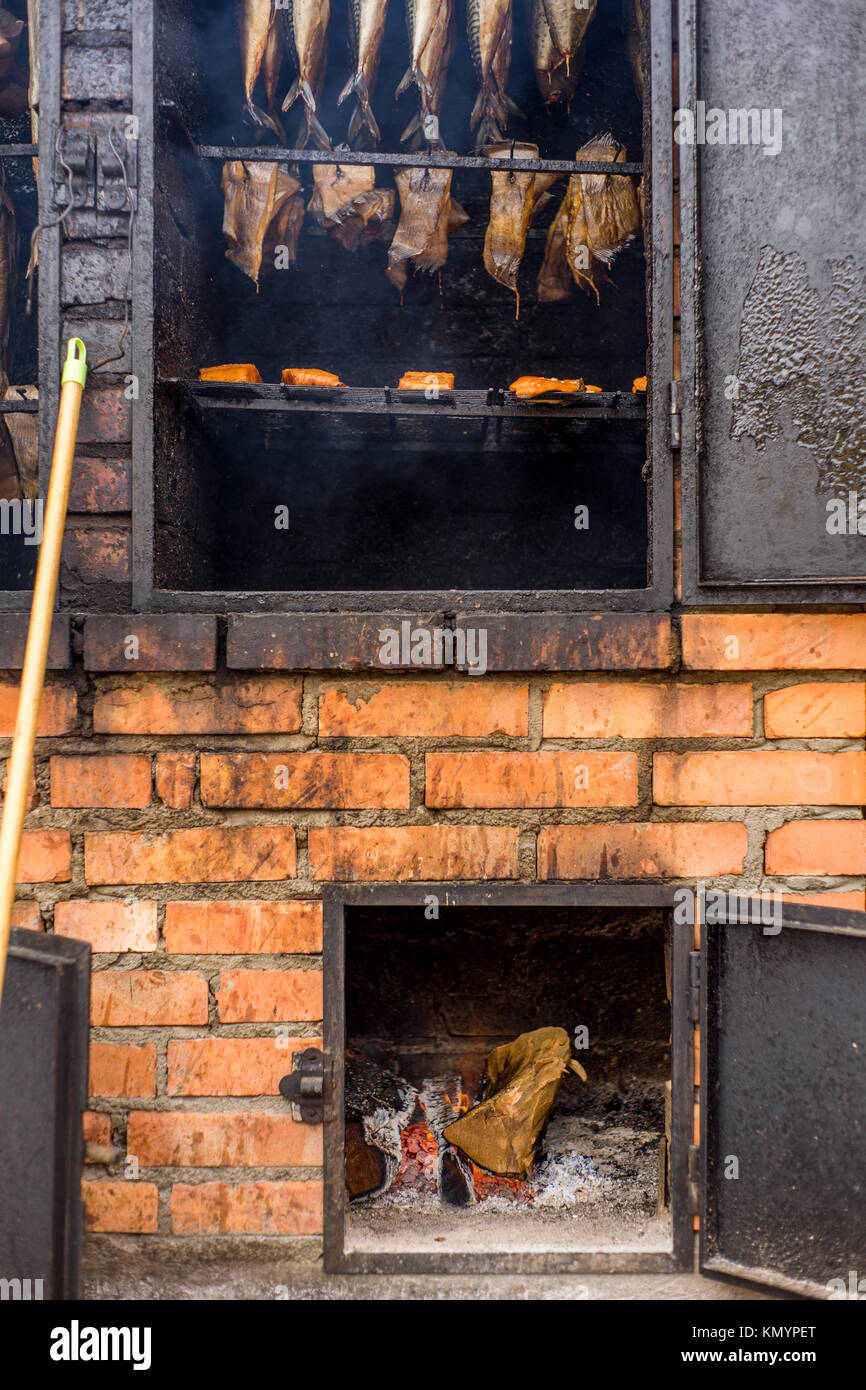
<point x="38" y="637"/>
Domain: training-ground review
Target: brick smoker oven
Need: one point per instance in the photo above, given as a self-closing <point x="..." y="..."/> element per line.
<point x="674" y="699"/>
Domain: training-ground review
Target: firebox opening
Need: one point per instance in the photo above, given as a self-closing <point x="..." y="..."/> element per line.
<point x="426" y="1003"/>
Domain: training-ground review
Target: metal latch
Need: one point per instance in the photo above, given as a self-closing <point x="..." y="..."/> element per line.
<point x="676" y="418"/>
<point x="75" y="164"/>
<point x="695" y="975"/>
<point x="305" y="1085"/>
<point x="116" y="167"/>
<point x="694" y="1180"/>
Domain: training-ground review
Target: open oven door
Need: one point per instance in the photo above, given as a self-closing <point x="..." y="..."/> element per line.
<point x="783" y="1099"/>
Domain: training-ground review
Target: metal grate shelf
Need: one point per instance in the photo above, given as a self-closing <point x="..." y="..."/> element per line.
<point x="383" y="400"/>
<point x="277" y="154"/>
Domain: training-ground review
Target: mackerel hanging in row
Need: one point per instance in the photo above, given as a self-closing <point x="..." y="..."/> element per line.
<point x="431" y="40"/>
<point x="307" y="22"/>
<point x="489" y="28"/>
<point x="261" y="50"/>
<point x="366" y="30"/>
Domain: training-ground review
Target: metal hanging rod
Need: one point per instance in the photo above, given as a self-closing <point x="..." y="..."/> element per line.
<point x="18" y="151"/>
<point x="277" y="154"/>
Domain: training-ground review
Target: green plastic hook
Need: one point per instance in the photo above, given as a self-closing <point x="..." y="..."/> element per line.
<point x="75" y="366"/>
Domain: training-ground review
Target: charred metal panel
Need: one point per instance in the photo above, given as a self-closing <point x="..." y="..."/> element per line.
<point x="784" y="1100"/>
<point x="774" y="300"/>
<point x="43" y="1092"/>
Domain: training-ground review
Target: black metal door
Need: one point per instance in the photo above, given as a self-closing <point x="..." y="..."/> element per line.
<point x="43" y="1091"/>
<point x="773" y="300"/>
<point x="783" y="1111"/>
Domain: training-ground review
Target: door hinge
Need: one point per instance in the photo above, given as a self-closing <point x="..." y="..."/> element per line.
<point x="304" y="1086"/>
<point x="676" y="419"/>
<point x="695" y="981"/>
<point x="694" y="1180"/>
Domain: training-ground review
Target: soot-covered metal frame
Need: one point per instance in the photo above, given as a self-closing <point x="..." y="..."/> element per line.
<point x="48" y="290"/>
<point x="656" y="596"/>
<point x="337" y="898"/>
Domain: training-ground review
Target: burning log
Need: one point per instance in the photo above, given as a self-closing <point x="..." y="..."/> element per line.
<point x="379" y="1105"/>
<point x="519" y="1090"/>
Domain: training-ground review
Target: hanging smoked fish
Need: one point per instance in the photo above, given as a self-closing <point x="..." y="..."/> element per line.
<point x="489" y="25"/>
<point x="557" y="33"/>
<point x="307" y="22"/>
<point x="366" y="30"/>
<point x="261" y="50"/>
<point x="431" y="40"/>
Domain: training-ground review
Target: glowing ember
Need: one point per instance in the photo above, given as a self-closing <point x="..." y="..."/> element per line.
<point x="490" y="1185"/>
<point x="418" y="1159"/>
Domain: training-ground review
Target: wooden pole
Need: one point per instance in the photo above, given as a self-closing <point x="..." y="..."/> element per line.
<point x="38" y="636"/>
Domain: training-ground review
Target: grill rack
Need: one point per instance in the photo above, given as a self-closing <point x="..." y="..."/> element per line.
<point x="277" y="154"/>
<point x="494" y="403"/>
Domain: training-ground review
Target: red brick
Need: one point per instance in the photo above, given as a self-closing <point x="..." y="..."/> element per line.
<point x="106" y="417"/>
<point x="843" y="902"/>
<point x="26" y="916"/>
<point x="243" y="928"/>
<point x="174" y="778"/>
<point x="58" y="710"/>
<point x="231" y="1066"/>
<point x="186" y="705"/>
<point x="413" y="852"/>
<point x="820" y="709"/>
<point x="250" y="1208"/>
<point x="489" y="780"/>
<point x="815" y="847"/>
<point x="240" y="1139"/>
<point x="46" y="857"/>
<point x="120" y="780"/>
<point x="628" y="709"/>
<point x="264" y="996"/>
<point x="774" y="641"/>
<point x="685" y="849"/>
<point x="96" y="1127"/>
<point x="95" y="555"/>
<point x="122" y="1069"/>
<point x="137" y="998"/>
<point x="100" y="485"/>
<point x="109" y="926"/>
<point x="759" y="779"/>
<point x="248" y="853"/>
<point x="428" y="709"/>
<point x="305" y="780"/>
<point x="33" y="798"/>
<point x="130" y="1207"/>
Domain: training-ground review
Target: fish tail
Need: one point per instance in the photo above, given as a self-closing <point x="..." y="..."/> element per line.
<point x="317" y="131"/>
<point x="413" y="128"/>
<point x="415" y="77"/>
<point x="260" y="117"/>
<point x="292" y="94"/>
<point x="405" y="82"/>
<point x="363" y="118"/>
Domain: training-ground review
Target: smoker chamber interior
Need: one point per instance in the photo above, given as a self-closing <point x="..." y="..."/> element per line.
<point x="378" y="501"/>
<point x="429" y="999"/>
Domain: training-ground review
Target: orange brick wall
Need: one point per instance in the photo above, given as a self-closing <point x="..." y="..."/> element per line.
<point x="184" y="825"/>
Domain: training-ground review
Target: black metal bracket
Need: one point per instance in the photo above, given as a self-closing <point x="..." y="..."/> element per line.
<point x="304" y="1086"/>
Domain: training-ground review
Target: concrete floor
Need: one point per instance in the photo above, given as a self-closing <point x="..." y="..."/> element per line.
<point x="119" y="1268"/>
